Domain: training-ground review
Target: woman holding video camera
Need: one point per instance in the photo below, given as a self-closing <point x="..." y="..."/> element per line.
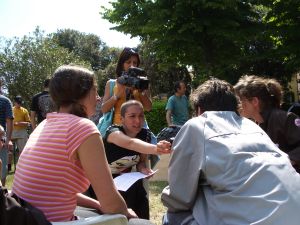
<point x="122" y="93"/>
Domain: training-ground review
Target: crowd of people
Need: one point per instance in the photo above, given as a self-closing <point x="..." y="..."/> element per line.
<point x="235" y="162"/>
<point x="17" y="123"/>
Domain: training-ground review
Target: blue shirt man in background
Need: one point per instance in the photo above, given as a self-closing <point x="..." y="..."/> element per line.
<point x="178" y="106"/>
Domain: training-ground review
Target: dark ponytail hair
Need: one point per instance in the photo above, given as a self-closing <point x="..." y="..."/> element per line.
<point x="275" y="92"/>
<point x="68" y="85"/>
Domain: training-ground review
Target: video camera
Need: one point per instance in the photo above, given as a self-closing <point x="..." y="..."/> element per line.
<point x="135" y="77"/>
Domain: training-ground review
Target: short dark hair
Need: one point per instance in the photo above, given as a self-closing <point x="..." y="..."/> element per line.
<point x="46" y="83"/>
<point x="129" y="103"/>
<point x="215" y="95"/>
<point x="18" y="99"/>
<point x="124" y="56"/>
<point x="177" y="85"/>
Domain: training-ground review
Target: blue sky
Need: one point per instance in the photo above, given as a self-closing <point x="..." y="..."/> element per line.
<point x="21" y="17"/>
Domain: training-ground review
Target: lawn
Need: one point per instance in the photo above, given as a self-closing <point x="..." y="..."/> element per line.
<point x="155" y="188"/>
<point x="157" y="210"/>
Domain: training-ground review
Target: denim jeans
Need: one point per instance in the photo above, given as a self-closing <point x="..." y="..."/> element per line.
<point x="3" y="157"/>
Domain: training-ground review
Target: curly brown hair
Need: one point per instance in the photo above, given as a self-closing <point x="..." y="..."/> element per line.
<point x="68" y="85"/>
<point x="267" y="90"/>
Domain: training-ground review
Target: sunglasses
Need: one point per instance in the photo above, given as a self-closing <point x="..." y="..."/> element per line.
<point x="131" y="50"/>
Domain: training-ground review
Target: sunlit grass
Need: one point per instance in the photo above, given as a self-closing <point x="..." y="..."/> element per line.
<point x="9" y="180"/>
<point x="157" y="210"/>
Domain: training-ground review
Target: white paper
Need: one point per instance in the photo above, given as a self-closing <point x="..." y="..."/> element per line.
<point x="124" y="181"/>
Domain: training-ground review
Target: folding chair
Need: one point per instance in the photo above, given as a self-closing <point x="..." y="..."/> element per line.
<point x="116" y="219"/>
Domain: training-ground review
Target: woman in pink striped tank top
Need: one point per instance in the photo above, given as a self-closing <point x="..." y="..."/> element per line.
<point x="65" y="153"/>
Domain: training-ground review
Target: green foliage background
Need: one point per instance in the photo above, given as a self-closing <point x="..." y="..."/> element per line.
<point x="180" y="40"/>
<point x="156" y="118"/>
<point x="223" y="39"/>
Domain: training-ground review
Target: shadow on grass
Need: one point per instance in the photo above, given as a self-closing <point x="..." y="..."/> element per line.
<point x="156" y="187"/>
<point x="9" y="179"/>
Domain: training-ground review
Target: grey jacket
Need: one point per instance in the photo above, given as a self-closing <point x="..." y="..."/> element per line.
<point x="225" y="170"/>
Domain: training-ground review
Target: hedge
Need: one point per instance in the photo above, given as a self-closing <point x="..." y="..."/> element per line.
<point x="156" y="118"/>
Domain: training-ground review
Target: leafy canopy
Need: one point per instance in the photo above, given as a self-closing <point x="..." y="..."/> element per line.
<point x="204" y="34"/>
<point x="26" y="62"/>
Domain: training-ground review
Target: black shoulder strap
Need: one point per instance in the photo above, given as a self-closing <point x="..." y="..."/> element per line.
<point x="14" y="210"/>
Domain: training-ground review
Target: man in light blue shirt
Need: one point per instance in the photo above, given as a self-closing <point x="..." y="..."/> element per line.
<point x="178" y="106"/>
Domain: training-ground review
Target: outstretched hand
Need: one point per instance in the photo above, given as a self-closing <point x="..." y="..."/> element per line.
<point x="163" y="147"/>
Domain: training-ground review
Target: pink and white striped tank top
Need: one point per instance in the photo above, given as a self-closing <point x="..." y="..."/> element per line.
<point x="47" y="175"/>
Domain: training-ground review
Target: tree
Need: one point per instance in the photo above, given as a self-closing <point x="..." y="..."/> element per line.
<point x="207" y="35"/>
<point x="162" y="75"/>
<point x="283" y="20"/>
<point x="26" y="62"/>
<point x="109" y="72"/>
<point x="225" y="39"/>
<point x="89" y="47"/>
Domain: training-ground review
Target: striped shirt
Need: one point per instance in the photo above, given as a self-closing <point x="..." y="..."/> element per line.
<point x="47" y="175"/>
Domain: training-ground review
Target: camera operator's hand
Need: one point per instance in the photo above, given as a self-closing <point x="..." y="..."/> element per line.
<point x="120" y="91"/>
<point x="145" y="98"/>
<point x="145" y="92"/>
